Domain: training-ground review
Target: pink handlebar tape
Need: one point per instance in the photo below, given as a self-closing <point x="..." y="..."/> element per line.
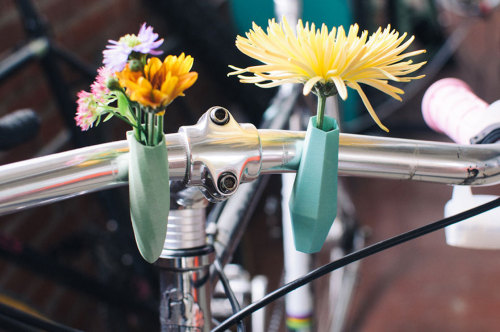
<point x="449" y="106"/>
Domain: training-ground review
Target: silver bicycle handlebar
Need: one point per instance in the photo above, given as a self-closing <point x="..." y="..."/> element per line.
<point x="217" y="154"/>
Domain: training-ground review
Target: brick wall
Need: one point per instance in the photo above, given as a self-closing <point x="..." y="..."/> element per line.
<point x="478" y="56"/>
<point x="82" y="232"/>
<point x="81" y="27"/>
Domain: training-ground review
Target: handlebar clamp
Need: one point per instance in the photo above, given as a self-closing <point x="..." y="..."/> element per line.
<point x="221" y="154"/>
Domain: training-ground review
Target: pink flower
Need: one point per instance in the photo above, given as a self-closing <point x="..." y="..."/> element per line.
<point x="86" y="113"/>
<point x="99" y="88"/>
<point x="117" y="52"/>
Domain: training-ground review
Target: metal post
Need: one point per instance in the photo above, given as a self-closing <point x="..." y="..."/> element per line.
<point x="185" y="265"/>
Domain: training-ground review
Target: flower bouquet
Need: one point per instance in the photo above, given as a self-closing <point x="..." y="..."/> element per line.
<point x="136" y="86"/>
<point x="326" y="62"/>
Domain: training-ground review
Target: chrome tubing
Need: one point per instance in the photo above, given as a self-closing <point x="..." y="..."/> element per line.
<point x="185" y="293"/>
<point x="197" y="156"/>
<point x="404" y="159"/>
<point x="391" y="158"/>
<point x="184" y="265"/>
<point x="51" y="178"/>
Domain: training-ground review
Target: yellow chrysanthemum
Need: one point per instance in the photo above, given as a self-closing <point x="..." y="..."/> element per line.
<point x="325" y="57"/>
<point x="160" y="82"/>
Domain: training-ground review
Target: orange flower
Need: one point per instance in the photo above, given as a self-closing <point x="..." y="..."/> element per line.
<point x="160" y="82"/>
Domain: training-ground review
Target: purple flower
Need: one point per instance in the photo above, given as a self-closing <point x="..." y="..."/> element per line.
<point x="117" y="52"/>
<point x="148" y="41"/>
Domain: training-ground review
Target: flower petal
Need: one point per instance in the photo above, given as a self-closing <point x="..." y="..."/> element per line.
<point x="368" y="106"/>
<point x="312" y="55"/>
<point x="310" y="84"/>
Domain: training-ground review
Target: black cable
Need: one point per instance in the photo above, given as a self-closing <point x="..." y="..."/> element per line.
<point x="229" y="293"/>
<point x="355" y="256"/>
<point x="24" y="320"/>
<point x="212" y="218"/>
<point x="12" y="325"/>
<point x="215" y="322"/>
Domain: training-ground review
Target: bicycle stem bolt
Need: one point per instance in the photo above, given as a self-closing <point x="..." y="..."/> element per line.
<point x="227" y="182"/>
<point x="219" y="115"/>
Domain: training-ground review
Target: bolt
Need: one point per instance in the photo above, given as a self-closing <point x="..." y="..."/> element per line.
<point x="219" y="116"/>
<point x="227" y="183"/>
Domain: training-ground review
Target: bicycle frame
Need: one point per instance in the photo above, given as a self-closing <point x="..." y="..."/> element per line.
<point x="205" y="155"/>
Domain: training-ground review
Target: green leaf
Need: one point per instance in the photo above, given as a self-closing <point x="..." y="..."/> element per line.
<point x="109" y="116"/>
<point x="123" y="104"/>
<point x="98" y="120"/>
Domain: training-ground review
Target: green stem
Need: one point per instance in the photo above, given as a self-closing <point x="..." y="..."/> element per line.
<point x="124" y="119"/>
<point x="151" y="128"/>
<point x="115" y="112"/>
<point x="146" y="126"/>
<point x="321" y="110"/>
<point x="160" y="127"/>
<point x="138" y="128"/>
<point x="155" y="137"/>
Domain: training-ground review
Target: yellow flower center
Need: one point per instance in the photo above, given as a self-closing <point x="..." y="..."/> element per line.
<point x="130" y="40"/>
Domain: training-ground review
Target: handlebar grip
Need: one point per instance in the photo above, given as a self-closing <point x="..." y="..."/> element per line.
<point x="18" y="127"/>
<point x="449" y="106"/>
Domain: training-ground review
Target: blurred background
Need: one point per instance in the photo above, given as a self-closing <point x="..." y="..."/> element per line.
<point x="76" y="262"/>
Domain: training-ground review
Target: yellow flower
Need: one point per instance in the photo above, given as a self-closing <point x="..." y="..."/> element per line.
<point x="160" y="82"/>
<point x="328" y="59"/>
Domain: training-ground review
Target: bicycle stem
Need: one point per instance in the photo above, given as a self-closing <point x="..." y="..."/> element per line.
<point x="217" y="154"/>
<point x="184" y="264"/>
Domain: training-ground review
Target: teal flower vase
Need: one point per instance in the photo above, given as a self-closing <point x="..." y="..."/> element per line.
<point x="149" y="191"/>
<point x="313" y="202"/>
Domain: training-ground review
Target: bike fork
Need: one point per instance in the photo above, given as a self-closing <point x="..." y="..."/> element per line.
<point x="185" y="265"/>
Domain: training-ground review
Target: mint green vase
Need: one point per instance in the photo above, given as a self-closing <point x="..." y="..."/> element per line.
<point x="149" y="191"/>
<point x="313" y="202"/>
